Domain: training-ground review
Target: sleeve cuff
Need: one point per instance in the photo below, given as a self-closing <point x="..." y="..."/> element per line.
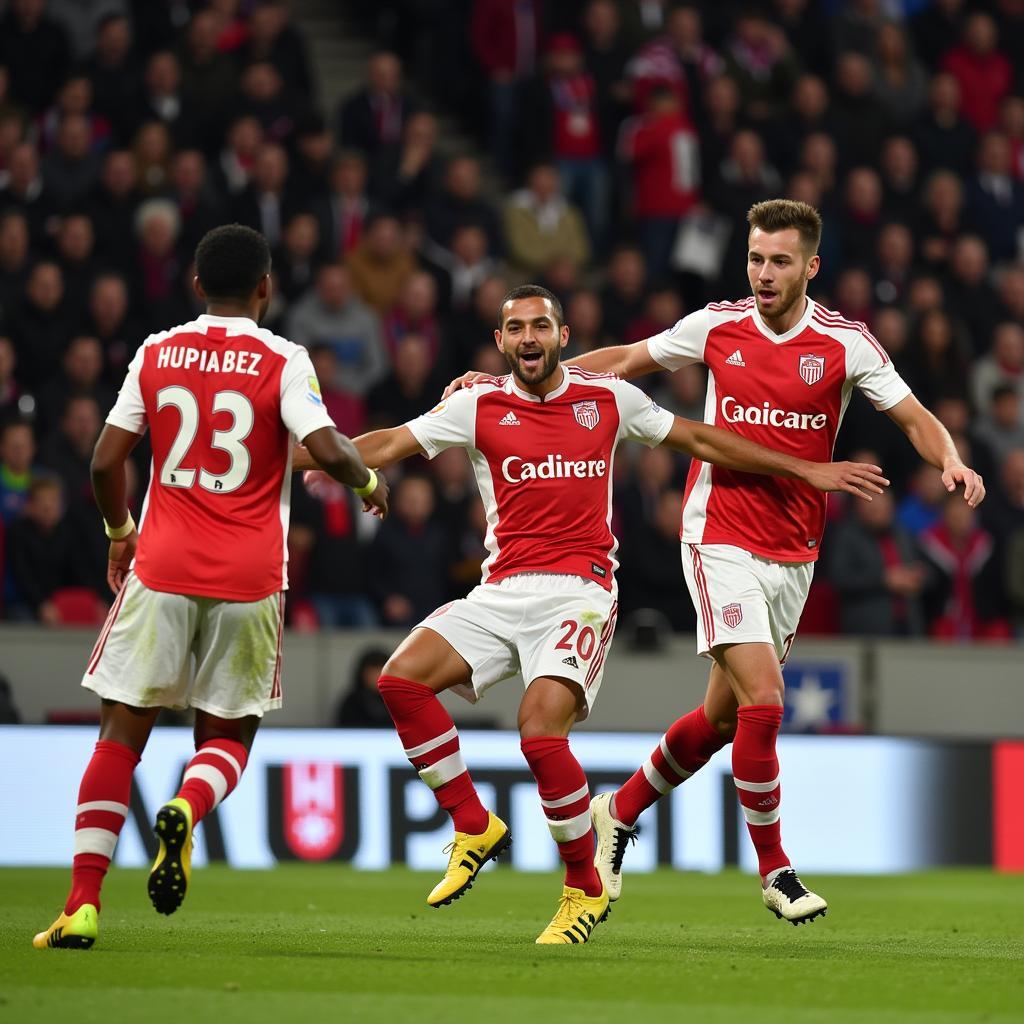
<point x="131" y="425"/>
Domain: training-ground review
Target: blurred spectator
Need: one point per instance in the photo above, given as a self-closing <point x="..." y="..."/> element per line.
<point x="542" y="226"/>
<point x="606" y="52"/>
<point x="81" y="375"/>
<point x="14" y="260"/>
<point x="862" y="215"/>
<point x="460" y="203"/>
<point x="505" y="37"/>
<point x="272" y="38"/>
<point x="759" y="57"/>
<point x="922" y="506"/>
<point x="330" y="314"/>
<point x="209" y="77"/>
<point x="74" y="98"/>
<point x="807" y="114"/>
<point x="163" y="100"/>
<point x="623" y="294"/>
<point x="941" y="219"/>
<point x="966" y="594"/>
<point x="266" y="97"/>
<point x="937" y="359"/>
<point x="35" y="48"/>
<point x="995" y="199"/>
<point x="662" y="309"/>
<point x="408" y="556"/>
<point x="152" y="147"/>
<point x="114" y="73"/>
<point x="72" y="168"/>
<point x="346" y="208"/>
<point x="348" y="411"/>
<point x="970" y="297"/>
<point x="362" y="707"/>
<point x="110" y="322"/>
<point x="983" y="71"/>
<point x="381" y="263"/>
<point x="1011" y="292"/>
<point x="936" y="28"/>
<point x="583" y="311"/>
<point x="899" y="166"/>
<point x="236" y="160"/>
<point x="9" y="391"/>
<point x="157" y="223"/>
<point x="416" y="171"/>
<point x="409" y="390"/>
<point x="75" y="254"/>
<point x="562" y="124"/>
<point x="718" y="121"/>
<point x="862" y="119"/>
<point x="17" y="457"/>
<point x="40" y="325"/>
<point x="474" y="324"/>
<point x="266" y="204"/>
<point x="296" y="261"/>
<point x="38" y="545"/>
<point x="112" y="207"/>
<point x="27" y="192"/>
<point x="943" y="137"/>
<point x="876" y="568"/>
<point x="684" y="392"/>
<point x="460" y="270"/>
<point x="1003" y="365"/>
<point x="198" y="204"/>
<point x="901" y="84"/>
<point x="894" y="263"/>
<point x="663" y="154"/>
<point x="311" y="165"/>
<point x="68" y="450"/>
<point x="415" y="312"/>
<point x="1001" y="428"/>
<point x="325" y="540"/>
<point x="373" y="118"/>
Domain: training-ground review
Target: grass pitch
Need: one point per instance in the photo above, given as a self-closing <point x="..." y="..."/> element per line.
<point x="305" y="943"/>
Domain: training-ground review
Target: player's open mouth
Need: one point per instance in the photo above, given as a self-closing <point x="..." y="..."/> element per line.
<point x="531" y="359"/>
<point x="766" y="296"/>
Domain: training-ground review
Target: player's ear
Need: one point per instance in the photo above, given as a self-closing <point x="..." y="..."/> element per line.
<point x="263" y="288"/>
<point x="564" y="335"/>
<point x="812" y="266"/>
<point x="198" y="288"/>
<point x="497" y="341"/>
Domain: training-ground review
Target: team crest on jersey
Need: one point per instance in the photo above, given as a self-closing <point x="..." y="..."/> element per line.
<point x="733" y="615"/>
<point x="587" y="414"/>
<point x="812" y="368"/>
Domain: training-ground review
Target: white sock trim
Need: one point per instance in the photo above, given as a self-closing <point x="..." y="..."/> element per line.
<point x="95" y="840"/>
<point x="672" y="762"/>
<point x="656" y="779"/>
<point x="757" y="787"/>
<point x="227" y="757"/>
<point x="425" y="748"/>
<point x="761" y="817"/>
<point x="571" y="828"/>
<point x="448" y="768"/>
<point x="103" y="805"/>
<point x="564" y="801"/>
<point x="213" y="777"/>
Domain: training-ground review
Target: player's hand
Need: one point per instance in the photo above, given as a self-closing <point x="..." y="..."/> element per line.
<point x="467" y="380"/>
<point x="301" y="459"/>
<point x="857" y="478"/>
<point x="119" y="560"/>
<point x="974" y="488"/>
<point x="377" y="502"/>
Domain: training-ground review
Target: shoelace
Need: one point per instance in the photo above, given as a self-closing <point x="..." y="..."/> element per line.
<point x="570" y="909"/>
<point x="450" y="850"/>
<point x="790" y="885"/>
<point x="623" y="837"/>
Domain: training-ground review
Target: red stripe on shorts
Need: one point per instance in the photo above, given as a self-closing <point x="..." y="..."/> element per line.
<point x="275" y="690"/>
<point x="602" y="647"/>
<point x="101" y="642"/>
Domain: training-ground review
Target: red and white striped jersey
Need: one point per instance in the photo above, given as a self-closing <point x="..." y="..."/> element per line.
<point x="785" y="391"/>
<point x="222" y="399"/>
<point x="544" y="468"/>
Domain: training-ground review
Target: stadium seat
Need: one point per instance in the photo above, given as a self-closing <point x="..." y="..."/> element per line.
<point x="304" y="618"/>
<point x="78" y="606"/>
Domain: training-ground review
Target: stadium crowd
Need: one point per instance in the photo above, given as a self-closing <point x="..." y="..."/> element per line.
<point x="616" y="146"/>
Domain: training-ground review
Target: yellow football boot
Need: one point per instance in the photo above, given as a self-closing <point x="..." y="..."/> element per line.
<point x="172" y="869"/>
<point x="76" y="931"/>
<point x="468" y="855"/>
<point x="577" y="917"/>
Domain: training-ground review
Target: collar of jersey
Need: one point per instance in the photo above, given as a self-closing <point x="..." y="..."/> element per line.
<point x="527" y="397"/>
<point x="778" y="339"/>
<point x="237" y="324"/>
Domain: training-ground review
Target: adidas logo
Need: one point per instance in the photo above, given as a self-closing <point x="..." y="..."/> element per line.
<point x="736" y="359"/>
<point x="571" y="660"/>
<point x="509" y="420"/>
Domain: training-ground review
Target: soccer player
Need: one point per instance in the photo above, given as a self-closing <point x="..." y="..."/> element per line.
<point x="205" y="573"/>
<point x="781" y="371"/>
<point x="541" y="441"/>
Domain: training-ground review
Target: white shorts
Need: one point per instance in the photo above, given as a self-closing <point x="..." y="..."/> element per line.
<point x="144" y="654"/>
<point x="538" y="624"/>
<point x="742" y="598"/>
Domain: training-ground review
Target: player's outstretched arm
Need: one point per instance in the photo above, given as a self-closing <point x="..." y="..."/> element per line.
<point x="337" y="456"/>
<point x="934" y="445"/>
<point x="110" y="486"/>
<point x="725" y="448"/>
<point x="625" y="361"/>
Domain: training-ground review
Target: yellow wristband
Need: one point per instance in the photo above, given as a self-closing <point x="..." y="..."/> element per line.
<point x="122" y="531"/>
<point x="368" y="488"/>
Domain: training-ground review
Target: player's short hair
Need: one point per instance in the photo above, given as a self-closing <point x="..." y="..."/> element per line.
<point x="532" y="291"/>
<point x="231" y="260"/>
<point x="780" y="214"/>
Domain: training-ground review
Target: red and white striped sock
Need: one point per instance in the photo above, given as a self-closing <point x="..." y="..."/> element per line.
<point x="686" y="747"/>
<point x="211" y="775"/>
<point x="565" y="797"/>
<point x="431" y="743"/>
<point x="755" y="770"/>
<point x="102" y="807"/>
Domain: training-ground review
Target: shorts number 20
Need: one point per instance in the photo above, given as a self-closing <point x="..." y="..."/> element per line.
<point x="586" y="638"/>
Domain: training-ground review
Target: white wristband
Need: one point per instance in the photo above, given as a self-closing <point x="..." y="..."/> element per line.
<point x="369" y="487"/>
<point x="122" y="531"/>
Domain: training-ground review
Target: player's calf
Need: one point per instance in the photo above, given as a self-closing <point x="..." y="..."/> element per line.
<point x="790" y="900"/>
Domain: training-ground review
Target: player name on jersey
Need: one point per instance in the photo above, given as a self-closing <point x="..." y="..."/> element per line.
<point x="515" y="470"/>
<point x="766" y="414"/>
<point x="183" y="357"/>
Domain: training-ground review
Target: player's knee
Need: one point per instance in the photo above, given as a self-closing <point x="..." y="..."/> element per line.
<point x="725" y="727"/>
<point x="537" y="725"/>
<point x="766" y="693"/>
